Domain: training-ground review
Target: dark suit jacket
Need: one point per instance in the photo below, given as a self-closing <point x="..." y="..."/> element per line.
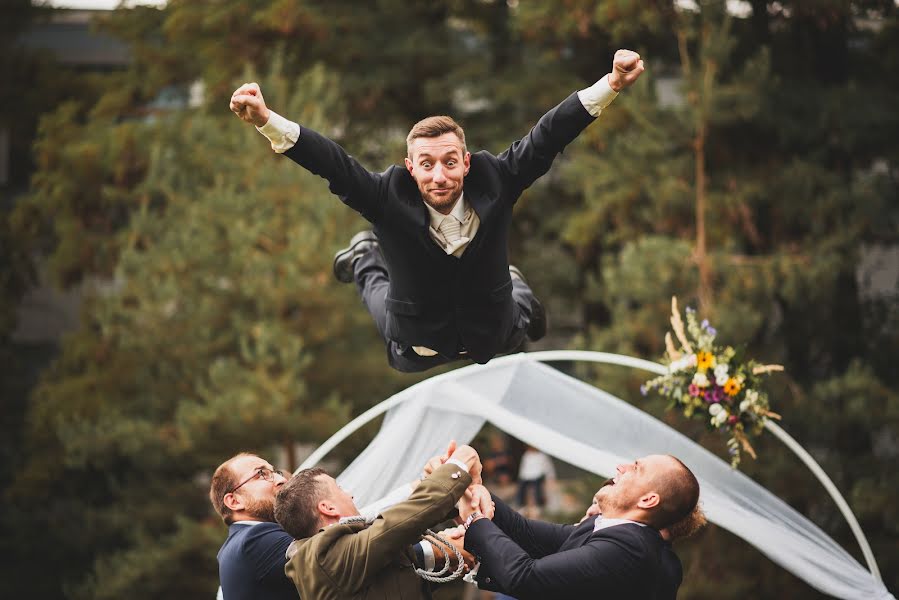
<point x="435" y="300"/>
<point x="251" y="563"/>
<point x="531" y="559"/>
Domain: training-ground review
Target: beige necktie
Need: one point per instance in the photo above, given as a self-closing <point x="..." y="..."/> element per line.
<point x="451" y="230"/>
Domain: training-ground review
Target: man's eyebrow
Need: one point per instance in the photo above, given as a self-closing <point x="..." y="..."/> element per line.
<point x="454" y="151"/>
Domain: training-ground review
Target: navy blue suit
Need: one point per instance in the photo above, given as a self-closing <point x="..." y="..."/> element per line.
<point x="532" y="559"/>
<point x="251" y="563"/>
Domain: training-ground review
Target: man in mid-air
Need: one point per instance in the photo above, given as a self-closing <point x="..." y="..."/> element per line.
<point x="435" y="274"/>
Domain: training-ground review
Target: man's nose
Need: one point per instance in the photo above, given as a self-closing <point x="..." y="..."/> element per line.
<point x="438" y="174"/>
<point x="280" y="478"/>
<point x="621" y="468"/>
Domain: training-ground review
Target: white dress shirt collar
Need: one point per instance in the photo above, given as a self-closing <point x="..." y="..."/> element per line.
<point x="601" y="523"/>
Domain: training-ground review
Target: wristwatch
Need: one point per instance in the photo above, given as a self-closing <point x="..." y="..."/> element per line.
<point x="471" y="519"/>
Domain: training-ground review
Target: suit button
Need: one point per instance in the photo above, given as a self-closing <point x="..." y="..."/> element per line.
<point x="487" y="580"/>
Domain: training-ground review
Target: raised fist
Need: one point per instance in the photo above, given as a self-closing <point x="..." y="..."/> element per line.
<point x="626" y="68"/>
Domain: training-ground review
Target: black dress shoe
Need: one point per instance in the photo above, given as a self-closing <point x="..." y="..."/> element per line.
<point x="362" y="242"/>
<point x="537" y="325"/>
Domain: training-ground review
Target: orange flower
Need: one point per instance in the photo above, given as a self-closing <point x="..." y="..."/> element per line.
<point x="732" y="387"/>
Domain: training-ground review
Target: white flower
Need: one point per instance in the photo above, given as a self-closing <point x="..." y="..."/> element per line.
<point x="752" y="397"/>
<point x="701" y="380"/>
<point x="682" y="363"/>
<point x="721" y="372"/>
<point x="720" y="418"/>
<point x="715" y="409"/>
<point x="744" y="405"/>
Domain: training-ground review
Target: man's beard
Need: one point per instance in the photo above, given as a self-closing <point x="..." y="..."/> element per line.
<point x="261" y="509"/>
<point x="609" y="498"/>
<point x="438" y="203"/>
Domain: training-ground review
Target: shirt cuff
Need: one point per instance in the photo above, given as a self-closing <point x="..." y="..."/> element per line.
<point x="428" y="552"/>
<point x="282" y="133"/>
<point x="458" y="463"/>
<point x="597" y="96"/>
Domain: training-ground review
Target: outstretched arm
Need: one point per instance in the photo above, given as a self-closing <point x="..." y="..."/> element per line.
<point x="531" y="157"/>
<point x="356" y="186"/>
<point x="354" y="560"/>
<point x="505" y="566"/>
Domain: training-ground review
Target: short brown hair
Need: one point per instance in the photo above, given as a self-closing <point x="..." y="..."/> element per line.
<point x="431" y="127"/>
<point x="295" y="504"/>
<point x="223" y="481"/>
<point x="679" y="494"/>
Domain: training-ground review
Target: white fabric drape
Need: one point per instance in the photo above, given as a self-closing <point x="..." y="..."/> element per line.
<point x="591" y="429"/>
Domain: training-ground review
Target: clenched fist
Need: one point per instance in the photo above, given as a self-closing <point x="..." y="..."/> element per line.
<point x="626" y="68"/>
<point x="249" y="105"/>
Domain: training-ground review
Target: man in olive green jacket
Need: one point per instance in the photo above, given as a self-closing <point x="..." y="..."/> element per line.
<point x="336" y="556"/>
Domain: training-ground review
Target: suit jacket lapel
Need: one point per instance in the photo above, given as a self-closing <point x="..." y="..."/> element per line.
<point x="579" y="536"/>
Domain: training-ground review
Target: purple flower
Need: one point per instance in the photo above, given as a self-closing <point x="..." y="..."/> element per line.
<point x="644" y="390"/>
<point x="704" y="324"/>
<point x="717" y="394"/>
<point x="712" y="330"/>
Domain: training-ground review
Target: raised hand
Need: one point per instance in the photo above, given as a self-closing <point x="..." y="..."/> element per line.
<point x="438" y="460"/>
<point x="470" y="457"/>
<point x="249" y="105"/>
<point x="626" y="68"/>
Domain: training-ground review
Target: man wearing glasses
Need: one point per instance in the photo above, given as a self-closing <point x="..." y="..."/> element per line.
<point x="252" y="559"/>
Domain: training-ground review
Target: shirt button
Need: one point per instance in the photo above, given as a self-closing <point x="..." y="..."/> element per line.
<point x="456" y="475"/>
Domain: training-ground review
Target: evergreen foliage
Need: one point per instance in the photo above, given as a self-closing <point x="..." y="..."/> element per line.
<point x="752" y="172"/>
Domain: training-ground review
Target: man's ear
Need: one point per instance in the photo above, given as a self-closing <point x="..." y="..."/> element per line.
<point x="327" y="508"/>
<point x="467" y="162"/>
<point x="234" y="502"/>
<point x="409" y="165"/>
<point x="648" y="500"/>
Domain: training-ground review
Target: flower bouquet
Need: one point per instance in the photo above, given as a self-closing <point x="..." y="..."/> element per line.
<point x="712" y="383"/>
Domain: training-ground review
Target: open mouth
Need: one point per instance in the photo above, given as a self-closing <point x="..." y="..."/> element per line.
<point x="609" y="482"/>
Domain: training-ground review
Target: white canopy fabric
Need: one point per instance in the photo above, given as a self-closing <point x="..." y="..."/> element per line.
<point x="593" y="430"/>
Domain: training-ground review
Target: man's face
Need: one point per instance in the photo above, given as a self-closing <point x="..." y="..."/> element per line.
<point x="337" y="497"/>
<point x="257" y="494"/>
<point x="439" y="165"/>
<point x="633" y="481"/>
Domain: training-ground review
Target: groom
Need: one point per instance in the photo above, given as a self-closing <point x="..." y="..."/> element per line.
<point x="620" y="554"/>
<point x="435" y="273"/>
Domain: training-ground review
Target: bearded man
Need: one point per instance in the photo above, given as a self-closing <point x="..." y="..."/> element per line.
<point x="618" y="554"/>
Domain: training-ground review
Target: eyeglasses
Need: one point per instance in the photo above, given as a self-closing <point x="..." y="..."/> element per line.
<point x="262" y="473"/>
